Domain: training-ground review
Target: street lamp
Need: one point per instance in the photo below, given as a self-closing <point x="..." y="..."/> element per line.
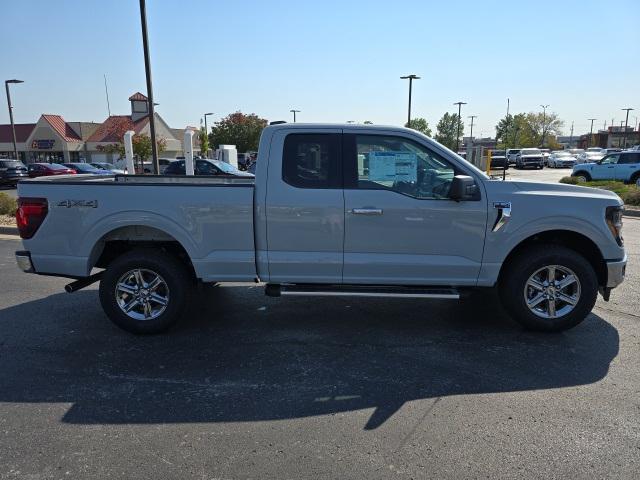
<point x="626" y="124"/>
<point x="294" y="114"/>
<point x="591" y="131"/>
<point x="206" y="130"/>
<point x="13" y="127"/>
<point x="147" y="70"/>
<point x="544" y="121"/>
<point x="459" y="121"/>
<point x="411" y="78"/>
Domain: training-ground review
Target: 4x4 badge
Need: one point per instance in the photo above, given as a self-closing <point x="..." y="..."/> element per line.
<point x="78" y="203"/>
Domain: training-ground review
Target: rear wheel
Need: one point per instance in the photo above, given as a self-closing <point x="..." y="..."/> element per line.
<point x="145" y="291"/>
<point x="549" y="288"/>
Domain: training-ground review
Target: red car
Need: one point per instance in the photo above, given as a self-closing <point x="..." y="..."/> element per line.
<point x="46" y="169"/>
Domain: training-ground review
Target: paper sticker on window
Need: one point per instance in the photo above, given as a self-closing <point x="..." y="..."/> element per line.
<point x="393" y="166"/>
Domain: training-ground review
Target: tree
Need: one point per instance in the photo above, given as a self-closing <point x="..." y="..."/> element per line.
<point x="419" y="124"/>
<point x="238" y="129"/>
<point x="525" y="130"/>
<point x="543" y="125"/>
<point x="448" y="128"/>
<point x="204" y="141"/>
<point x="141" y="146"/>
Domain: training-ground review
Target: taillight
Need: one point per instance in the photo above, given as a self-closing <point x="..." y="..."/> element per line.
<point x="30" y="215"/>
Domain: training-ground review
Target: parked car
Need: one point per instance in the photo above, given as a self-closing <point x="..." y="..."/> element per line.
<point x="589" y="157"/>
<point x="108" y="167"/>
<point x="419" y="222"/>
<point x="499" y="159"/>
<point x="86" y="168"/>
<point x="206" y="167"/>
<point x="546" y="153"/>
<point x="529" y="157"/>
<point x="511" y="155"/>
<point x="622" y="166"/>
<point x="575" y="151"/>
<point x="561" y="159"/>
<point x="595" y="149"/>
<point x="48" y="169"/>
<point x="12" y="171"/>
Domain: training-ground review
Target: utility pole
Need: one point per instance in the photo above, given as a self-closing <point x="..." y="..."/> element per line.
<point x="147" y="69"/>
<point x="626" y="124"/>
<point x="294" y="114"/>
<point x="106" y="92"/>
<point x="459" y="122"/>
<point x="13" y="127"/>
<point x="591" y="131"/>
<point x="544" y="121"/>
<point x="471" y="134"/>
<point x="571" y="136"/>
<point x="411" y="78"/>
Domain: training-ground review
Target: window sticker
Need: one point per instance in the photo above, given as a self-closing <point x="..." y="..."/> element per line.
<point x="393" y="166"/>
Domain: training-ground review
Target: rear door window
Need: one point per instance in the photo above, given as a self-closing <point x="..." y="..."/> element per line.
<point x="312" y="160"/>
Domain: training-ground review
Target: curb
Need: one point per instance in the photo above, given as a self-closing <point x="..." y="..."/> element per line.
<point x="9" y="230"/>
<point x="631" y="213"/>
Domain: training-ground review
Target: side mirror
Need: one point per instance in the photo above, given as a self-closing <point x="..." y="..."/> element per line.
<point x="463" y="187"/>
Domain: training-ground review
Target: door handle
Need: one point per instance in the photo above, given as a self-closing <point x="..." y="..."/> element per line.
<point x="367" y="211"/>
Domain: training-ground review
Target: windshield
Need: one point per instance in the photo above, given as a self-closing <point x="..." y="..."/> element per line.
<point x="55" y="166"/>
<point x="224" y="166"/>
<point x="563" y="154"/>
<point x="497" y="153"/>
<point x="11" y="164"/>
<point x="531" y="151"/>
<point x="82" y="167"/>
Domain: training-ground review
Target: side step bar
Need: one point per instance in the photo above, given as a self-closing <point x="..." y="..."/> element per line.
<point x="276" y="290"/>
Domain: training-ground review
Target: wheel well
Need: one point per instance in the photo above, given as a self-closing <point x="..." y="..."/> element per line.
<point x="575" y="241"/>
<point x="581" y="172"/>
<point x="119" y="241"/>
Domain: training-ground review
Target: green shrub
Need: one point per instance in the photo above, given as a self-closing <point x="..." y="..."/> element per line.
<point x="632" y="198"/>
<point x="570" y="180"/>
<point x="8" y="205"/>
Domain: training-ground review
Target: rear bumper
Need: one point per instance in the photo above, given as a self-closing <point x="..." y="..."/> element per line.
<point x="23" y="259"/>
<point x="615" y="272"/>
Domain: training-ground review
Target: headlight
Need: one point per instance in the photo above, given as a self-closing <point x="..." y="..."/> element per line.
<point x="613" y="216"/>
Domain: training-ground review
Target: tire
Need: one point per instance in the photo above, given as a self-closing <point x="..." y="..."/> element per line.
<point x="582" y="176"/>
<point x="174" y="289"/>
<point x="515" y="288"/>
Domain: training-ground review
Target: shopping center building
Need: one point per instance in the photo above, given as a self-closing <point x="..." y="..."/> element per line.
<point x="53" y="139"/>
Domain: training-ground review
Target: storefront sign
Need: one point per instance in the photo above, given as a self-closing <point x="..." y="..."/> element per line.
<point x="42" y="144"/>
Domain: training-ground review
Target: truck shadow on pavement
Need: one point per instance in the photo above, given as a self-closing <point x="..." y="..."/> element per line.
<point x="243" y="357"/>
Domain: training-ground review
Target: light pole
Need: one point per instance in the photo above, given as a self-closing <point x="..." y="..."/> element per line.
<point x="591" y="131"/>
<point x="471" y="134"/>
<point x="206" y="131"/>
<point x="459" y="122"/>
<point x="626" y="124"/>
<point x="411" y="78"/>
<point x="13" y="127"/>
<point x="544" y="121"/>
<point x="294" y="114"/>
<point x="147" y="69"/>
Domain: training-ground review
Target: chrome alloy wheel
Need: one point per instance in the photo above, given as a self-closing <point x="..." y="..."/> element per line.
<point x="552" y="291"/>
<point x="142" y="294"/>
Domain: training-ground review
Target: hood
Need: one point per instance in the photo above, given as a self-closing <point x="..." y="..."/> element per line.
<point x="565" y="190"/>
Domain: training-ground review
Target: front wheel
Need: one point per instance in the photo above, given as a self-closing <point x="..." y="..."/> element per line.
<point x="549" y="288"/>
<point x="583" y="177"/>
<point x="145" y="291"/>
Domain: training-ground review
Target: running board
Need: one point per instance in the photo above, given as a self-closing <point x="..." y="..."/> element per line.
<point x="275" y="290"/>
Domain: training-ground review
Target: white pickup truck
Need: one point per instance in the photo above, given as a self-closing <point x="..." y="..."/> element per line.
<point x="334" y="210"/>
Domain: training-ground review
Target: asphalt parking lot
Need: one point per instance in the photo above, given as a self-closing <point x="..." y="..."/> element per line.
<point x="253" y="387"/>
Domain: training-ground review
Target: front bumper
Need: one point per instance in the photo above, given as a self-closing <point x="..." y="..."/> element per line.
<point x="23" y="259"/>
<point x="615" y="272"/>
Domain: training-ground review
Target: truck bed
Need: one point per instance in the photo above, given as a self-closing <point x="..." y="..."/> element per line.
<point x="210" y="217"/>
